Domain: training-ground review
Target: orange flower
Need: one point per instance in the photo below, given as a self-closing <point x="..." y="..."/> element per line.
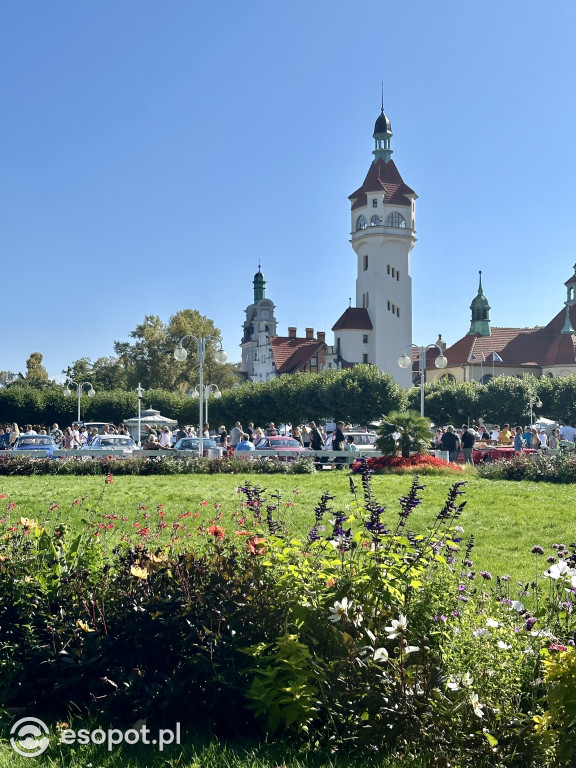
<point x="257" y="545"/>
<point x="217" y="531"/>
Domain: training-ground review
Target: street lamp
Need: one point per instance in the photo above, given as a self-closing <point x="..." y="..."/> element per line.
<point x="405" y="361"/>
<point x="139" y="392"/>
<point x="219" y="355"/>
<point x="209" y="389"/>
<point x="534" y="401"/>
<point x="78" y="386"/>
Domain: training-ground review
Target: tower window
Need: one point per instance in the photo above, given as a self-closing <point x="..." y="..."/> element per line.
<point x="388" y="306"/>
<point x="361" y="223"/>
<point x="365" y="262"/>
<point x="395" y="220"/>
<point x="397" y="275"/>
<point x="374" y="202"/>
<point x="397" y="311"/>
<point x="393" y="272"/>
<point x="388" y="268"/>
<point x="365" y="358"/>
<point x="375" y="221"/>
<point x="365" y="338"/>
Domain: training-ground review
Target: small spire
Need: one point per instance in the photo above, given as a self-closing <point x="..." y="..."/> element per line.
<point x="567" y="330"/>
<point x="382" y="96"/>
<point x="349" y="303"/>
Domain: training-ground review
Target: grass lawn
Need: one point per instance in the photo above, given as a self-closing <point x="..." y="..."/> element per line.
<point x="506" y="518"/>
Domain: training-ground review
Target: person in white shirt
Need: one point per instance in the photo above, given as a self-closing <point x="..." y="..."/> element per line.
<point x="543" y="439"/>
<point x="495" y="434"/>
<point x="165" y="439"/>
<point x="29" y="430"/>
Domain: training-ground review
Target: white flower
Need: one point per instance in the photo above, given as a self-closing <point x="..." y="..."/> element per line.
<point x="481" y="632"/>
<point x="503" y="646"/>
<point x="398" y="627"/>
<point x="558" y="570"/>
<point x="452" y="685"/>
<point x="357" y="616"/>
<point x="411" y="649"/>
<point x="466" y="679"/>
<point x="339" y="609"/>
<point x="476" y="706"/>
<point x="516" y="605"/>
<point x="371" y="636"/>
<point x="380" y="654"/>
<point x="492" y="623"/>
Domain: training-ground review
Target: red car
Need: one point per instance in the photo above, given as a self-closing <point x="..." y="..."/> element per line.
<point x="281" y="445"/>
<point x="496" y="453"/>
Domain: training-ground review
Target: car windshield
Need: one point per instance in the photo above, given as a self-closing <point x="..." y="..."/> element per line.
<point x="285" y="442"/>
<point x="364" y="438"/>
<point x="28" y="441"/>
<point x="189" y="445"/>
<point x="112" y="441"/>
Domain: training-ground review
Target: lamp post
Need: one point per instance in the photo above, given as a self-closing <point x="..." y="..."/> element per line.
<point x="405" y="361"/>
<point x="209" y="389"/>
<point x="219" y="355"/>
<point x="139" y="392"/>
<point x="78" y="385"/>
<point x="534" y="401"/>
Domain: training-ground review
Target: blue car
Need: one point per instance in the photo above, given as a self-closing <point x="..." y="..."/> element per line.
<point x="191" y="444"/>
<point x="43" y="443"/>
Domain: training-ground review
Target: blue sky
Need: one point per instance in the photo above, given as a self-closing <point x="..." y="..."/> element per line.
<point x="154" y="152"/>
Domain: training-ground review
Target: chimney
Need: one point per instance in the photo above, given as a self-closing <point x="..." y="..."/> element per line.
<point x="309" y="333"/>
<point x="321" y="336"/>
<point x="291" y="332"/>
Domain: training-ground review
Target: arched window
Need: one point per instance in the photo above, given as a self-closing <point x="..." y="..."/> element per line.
<point x="447" y="377"/>
<point x="361" y="223"/>
<point x="365" y="262"/>
<point x="365" y="299"/>
<point x="486" y="378"/>
<point x="395" y="220"/>
<point x="375" y="221"/>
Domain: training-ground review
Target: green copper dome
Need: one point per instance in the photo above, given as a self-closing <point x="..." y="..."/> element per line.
<point x="259" y="286"/>
<point x="382" y="124"/>
<point x="480" y="307"/>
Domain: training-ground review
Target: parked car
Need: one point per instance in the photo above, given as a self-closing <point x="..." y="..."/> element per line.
<point x="43" y="443"/>
<point x="191" y="444"/>
<point x="280" y="445"/>
<point x="111" y="443"/>
<point x="364" y="441"/>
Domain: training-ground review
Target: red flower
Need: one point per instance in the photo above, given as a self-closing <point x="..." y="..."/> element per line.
<point x="54" y="507"/>
<point x="109" y="480"/>
<point x="217" y="531"/>
<point x="2" y="495"/>
<point x="204" y="503"/>
<point x="257" y="545"/>
<point x="557" y="647"/>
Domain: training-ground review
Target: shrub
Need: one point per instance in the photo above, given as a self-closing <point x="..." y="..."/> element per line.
<point x="539" y="468"/>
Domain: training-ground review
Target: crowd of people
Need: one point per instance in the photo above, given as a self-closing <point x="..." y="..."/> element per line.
<point x="520" y="438"/>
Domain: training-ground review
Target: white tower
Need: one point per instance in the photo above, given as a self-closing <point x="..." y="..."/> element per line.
<point x="382" y="236"/>
<point x="260" y="324"/>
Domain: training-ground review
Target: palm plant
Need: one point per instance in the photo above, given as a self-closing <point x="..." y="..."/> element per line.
<point x="406" y="431"/>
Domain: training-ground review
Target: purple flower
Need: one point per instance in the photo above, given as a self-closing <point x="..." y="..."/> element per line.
<point x="537" y="550"/>
<point x="486" y="575"/>
<point x="530" y="623"/>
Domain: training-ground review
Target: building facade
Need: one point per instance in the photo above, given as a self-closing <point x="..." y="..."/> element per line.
<point x="379" y="328"/>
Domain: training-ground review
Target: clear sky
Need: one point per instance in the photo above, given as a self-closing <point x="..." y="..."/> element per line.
<point x="152" y="153"/>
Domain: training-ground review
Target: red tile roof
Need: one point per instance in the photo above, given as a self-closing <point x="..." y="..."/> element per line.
<point x="382" y="177"/>
<point x="355" y="318"/>
<point x="292" y="354"/>
<point x="525" y="347"/>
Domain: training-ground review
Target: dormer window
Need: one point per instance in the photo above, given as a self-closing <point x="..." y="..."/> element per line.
<point x="395" y="220"/>
<point x="361" y="223"/>
<point x="374" y="202"/>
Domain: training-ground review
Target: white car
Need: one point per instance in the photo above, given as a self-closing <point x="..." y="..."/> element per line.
<point x="364" y="441"/>
<point x="111" y="443"/>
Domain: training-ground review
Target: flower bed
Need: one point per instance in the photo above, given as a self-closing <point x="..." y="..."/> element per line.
<point x="361" y="635"/>
<point x="424" y="463"/>
<point x="11" y="464"/>
<point x="538" y="468"/>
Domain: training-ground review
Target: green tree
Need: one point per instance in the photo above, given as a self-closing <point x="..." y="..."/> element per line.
<point x="150" y="359"/>
<point x="36" y="374"/>
<point x="405" y="431"/>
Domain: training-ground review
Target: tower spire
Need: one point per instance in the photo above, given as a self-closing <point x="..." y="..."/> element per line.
<point x="480" y="322"/>
<point x="382" y="135"/>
